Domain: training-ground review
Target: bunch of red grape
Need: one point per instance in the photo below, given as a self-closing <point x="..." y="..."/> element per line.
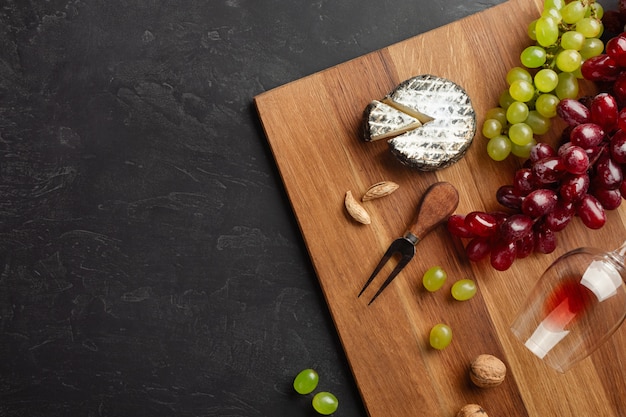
<point x="582" y="178"/>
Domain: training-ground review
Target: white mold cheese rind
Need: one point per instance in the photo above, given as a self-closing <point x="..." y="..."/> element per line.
<point x="449" y="122"/>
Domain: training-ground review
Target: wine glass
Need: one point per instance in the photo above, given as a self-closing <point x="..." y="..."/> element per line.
<point x="576" y="305"/>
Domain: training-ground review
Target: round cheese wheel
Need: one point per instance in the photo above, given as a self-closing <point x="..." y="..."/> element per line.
<point x="447" y="122"/>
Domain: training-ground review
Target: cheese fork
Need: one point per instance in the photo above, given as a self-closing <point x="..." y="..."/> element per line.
<point x="437" y="204"/>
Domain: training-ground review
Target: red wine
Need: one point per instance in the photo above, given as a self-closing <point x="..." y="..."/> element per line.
<point x="568" y="300"/>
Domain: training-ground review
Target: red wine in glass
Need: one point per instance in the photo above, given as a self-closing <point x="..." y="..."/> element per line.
<point x="568" y="301"/>
<point x="576" y="305"/>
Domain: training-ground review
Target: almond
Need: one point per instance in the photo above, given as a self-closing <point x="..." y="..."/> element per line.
<point x="380" y="189"/>
<point x="356" y="210"/>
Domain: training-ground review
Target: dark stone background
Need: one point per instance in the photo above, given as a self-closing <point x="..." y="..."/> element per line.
<point x="150" y="261"/>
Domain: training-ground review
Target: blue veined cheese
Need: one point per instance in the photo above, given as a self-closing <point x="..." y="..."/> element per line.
<point x="385" y="121"/>
<point x="448" y="122"/>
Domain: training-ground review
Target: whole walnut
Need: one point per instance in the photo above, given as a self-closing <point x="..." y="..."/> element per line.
<point x="472" y="410"/>
<point x="487" y="371"/>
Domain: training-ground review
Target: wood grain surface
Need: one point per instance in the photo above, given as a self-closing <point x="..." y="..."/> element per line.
<point x="313" y="126"/>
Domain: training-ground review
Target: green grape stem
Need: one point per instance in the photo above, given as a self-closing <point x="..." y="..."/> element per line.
<point x="550" y="59"/>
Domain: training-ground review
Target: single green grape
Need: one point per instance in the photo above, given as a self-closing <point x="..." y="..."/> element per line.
<point x="520" y="134"/>
<point x="505" y="99"/>
<point x="463" y="289"/>
<point x="589" y="26"/>
<point x="325" y="403"/>
<point x="574" y="11"/>
<point x="591" y="47"/>
<point x="440" y="336"/>
<point x="572" y="40"/>
<point x="522" y="90"/>
<point x="533" y="56"/>
<point x="532" y="34"/>
<point x="553" y="13"/>
<point x="554" y="4"/>
<point x="434" y="278"/>
<point x="491" y="128"/>
<point x="306" y="381"/>
<point x="546" y="105"/>
<point x="546" y="80"/>
<point x="568" y="86"/>
<point x="568" y="60"/>
<point x="499" y="148"/>
<point x="523" y="151"/>
<point x="538" y="122"/>
<point x="517" y="112"/>
<point x="547" y="31"/>
<point x="497" y="113"/>
<point x="518" y="73"/>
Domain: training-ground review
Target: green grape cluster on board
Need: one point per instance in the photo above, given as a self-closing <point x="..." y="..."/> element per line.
<point x="565" y="35"/>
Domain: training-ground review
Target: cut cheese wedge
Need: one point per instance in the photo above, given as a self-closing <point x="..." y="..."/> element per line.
<point x="448" y="122"/>
<point x="423" y="118"/>
<point x="384" y="121"/>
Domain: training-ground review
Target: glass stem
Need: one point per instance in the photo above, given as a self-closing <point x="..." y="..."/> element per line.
<point x="619" y="255"/>
<point x="621" y="251"/>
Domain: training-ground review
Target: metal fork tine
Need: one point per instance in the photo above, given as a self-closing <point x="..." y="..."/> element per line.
<point x="401" y="264"/>
<point x="383" y="261"/>
<point x="399" y="246"/>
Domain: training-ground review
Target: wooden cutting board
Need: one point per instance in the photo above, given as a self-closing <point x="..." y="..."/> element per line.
<point x="312" y="126"/>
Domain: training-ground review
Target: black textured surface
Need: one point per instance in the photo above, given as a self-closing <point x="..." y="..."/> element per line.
<point x="150" y="263"/>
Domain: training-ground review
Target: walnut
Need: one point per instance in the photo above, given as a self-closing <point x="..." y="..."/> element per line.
<point x="471" y="410"/>
<point x="487" y="371"/>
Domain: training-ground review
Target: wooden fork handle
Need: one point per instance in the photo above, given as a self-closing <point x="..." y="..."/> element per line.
<point x="437" y="204"/>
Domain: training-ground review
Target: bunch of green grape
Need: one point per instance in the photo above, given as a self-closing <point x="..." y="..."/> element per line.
<point x="565" y="35"/>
